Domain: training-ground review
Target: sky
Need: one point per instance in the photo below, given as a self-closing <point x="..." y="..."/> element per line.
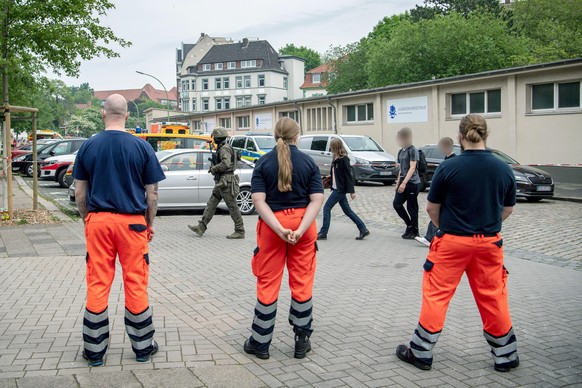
<point x="157" y="28"/>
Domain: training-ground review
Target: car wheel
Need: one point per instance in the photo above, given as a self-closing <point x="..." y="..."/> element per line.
<point x="534" y="199"/>
<point x="245" y="202"/>
<point x="29" y="170"/>
<point x="61" y="178"/>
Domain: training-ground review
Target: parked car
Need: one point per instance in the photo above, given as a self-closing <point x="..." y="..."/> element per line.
<point x="532" y="184"/>
<point x="55" y="168"/>
<point x="188" y="185"/>
<point x="69" y="175"/>
<point x="370" y="162"/>
<point x="62" y="147"/>
<point x="253" y="146"/>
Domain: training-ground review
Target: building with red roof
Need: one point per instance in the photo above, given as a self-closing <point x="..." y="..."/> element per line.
<point x="148" y="92"/>
<point x="315" y="83"/>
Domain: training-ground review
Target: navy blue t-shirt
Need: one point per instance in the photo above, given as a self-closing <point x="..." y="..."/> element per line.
<point x="117" y="166"/>
<point x="472" y="189"/>
<point x="306" y="180"/>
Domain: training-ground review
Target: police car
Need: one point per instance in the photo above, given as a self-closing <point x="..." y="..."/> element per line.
<point x="253" y="145"/>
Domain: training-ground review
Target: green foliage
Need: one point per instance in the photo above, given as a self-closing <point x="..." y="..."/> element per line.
<point x="347" y="65"/>
<point x="85" y="123"/>
<point x="445" y="46"/>
<point x="312" y="57"/>
<point x="136" y="112"/>
<point x="553" y="26"/>
<point x="433" y="8"/>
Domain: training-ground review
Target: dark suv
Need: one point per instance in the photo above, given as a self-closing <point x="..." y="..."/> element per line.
<point x="62" y="147"/>
<point x="532" y="184"/>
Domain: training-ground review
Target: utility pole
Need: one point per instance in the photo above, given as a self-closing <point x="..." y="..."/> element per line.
<point x="163" y="86"/>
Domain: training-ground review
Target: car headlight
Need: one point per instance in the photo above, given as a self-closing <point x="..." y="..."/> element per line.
<point x="49" y="163"/>
<point x="521" y="178"/>
<point x="19" y="158"/>
<point x="362" y="162"/>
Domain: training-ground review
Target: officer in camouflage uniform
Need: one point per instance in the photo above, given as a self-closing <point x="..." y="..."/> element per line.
<point x="226" y="187"/>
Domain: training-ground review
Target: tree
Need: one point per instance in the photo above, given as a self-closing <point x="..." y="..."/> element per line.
<point x="433" y="8"/>
<point x="82" y="94"/>
<point x="312" y="57"/>
<point x="56" y="34"/>
<point x="347" y="67"/>
<point x="553" y="26"/>
<point x="445" y="46"/>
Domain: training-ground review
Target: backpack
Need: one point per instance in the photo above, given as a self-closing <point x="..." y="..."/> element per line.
<point x="421" y="165"/>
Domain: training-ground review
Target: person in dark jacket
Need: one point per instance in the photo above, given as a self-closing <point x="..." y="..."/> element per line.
<point x="342" y="183"/>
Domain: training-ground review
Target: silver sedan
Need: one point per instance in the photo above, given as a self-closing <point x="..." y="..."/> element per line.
<point x="188" y="184"/>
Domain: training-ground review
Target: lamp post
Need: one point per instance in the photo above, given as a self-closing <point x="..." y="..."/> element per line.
<point x="136" y="109"/>
<point x="163" y="86"/>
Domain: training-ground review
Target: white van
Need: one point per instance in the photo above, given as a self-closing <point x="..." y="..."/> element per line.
<point x="370" y="162"/>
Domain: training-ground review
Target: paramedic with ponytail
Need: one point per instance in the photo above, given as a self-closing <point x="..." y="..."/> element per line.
<point x="288" y="194"/>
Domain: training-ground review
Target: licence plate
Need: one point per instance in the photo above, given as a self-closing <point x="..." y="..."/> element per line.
<point x="385" y="172"/>
<point x="544" y="188"/>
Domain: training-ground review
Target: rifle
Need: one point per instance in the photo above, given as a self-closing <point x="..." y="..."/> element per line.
<point x="214" y="158"/>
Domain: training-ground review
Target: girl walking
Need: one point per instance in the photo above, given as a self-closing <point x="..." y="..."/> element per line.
<point x="342" y="183"/>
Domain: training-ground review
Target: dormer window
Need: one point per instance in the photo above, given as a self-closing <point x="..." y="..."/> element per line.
<point x="247" y="64"/>
<point x="206" y="67"/>
<point x="231" y="65"/>
<point x="316" y="78"/>
<point x="218" y="66"/>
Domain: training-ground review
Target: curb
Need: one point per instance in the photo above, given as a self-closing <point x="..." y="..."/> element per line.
<point x="568" y="199"/>
<point x="51" y="207"/>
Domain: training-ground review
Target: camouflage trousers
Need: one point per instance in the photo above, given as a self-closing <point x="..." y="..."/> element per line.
<point x="219" y="194"/>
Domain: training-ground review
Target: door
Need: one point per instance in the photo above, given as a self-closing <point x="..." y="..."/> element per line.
<point x="180" y="188"/>
<point x="206" y="182"/>
<point x="320" y="153"/>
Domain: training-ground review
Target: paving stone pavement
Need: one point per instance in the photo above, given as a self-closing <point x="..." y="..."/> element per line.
<point x="366" y="297"/>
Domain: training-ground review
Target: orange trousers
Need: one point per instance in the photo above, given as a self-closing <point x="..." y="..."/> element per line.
<point x="481" y="258"/>
<point x="109" y="235"/>
<point x="272" y="254"/>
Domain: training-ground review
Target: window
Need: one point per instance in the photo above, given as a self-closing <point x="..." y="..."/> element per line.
<point x="251" y="145"/>
<point x="232" y="65"/>
<point x="285" y="83"/>
<point x="316" y="78"/>
<point x="226" y="83"/>
<point x="226" y="101"/>
<point x="193" y="105"/>
<point x="239" y="102"/>
<point x="181" y="162"/>
<point x="197" y="125"/>
<point x="239" y="82"/>
<point x="553" y="96"/>
<point x="243" y="101"/>
<point x="238" y="142"/>
<point x="185" y="86"/>
<point x="262" y="99"/>
<point x="243" y="122"/>
<point x="261" y="79"/>
<point x="185" y="104"/>
<point x="193" y="85"/>
<point x="488" y="101"/>
<point x="218" y="103"/>
<point x="205" y="84"/>
<point x="205" y="104"/>
<point x="247" y="81"/>
<point x="360" y="113"/>
<point x="218" y="83"/>
<point x="292" y="114"/>
<point x="319" y="143"/>
<point x="247" y="100"/>
<point x="247" y="64"/>
<point x="206" y="67"/>
<point x="218" y="66"/>
<point x="304" y="143"/>
<point x="225" y="123"/>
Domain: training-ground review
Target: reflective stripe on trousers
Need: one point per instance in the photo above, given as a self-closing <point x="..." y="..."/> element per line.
<point x="503" y="348"/>
<point x="95" y="334"/>
<point x="140" y="329"/>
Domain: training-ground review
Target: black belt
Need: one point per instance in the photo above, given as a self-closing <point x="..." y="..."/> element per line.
<point x="469" y="234"/>
<point x="115" y="212"/>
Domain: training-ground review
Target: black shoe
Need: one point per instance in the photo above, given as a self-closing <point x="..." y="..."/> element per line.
<point x="322" y="236"/>
<point x="155" y="349"/>
<point x="413" y="234"/>
<point x="98" y="362"/>
<point x="507" y="367"/>
<point x="403" y="352"/>
<point x="363" y="234"/>
<point x="302" y="344"/>
<point x="250" y="349"/>
<point x="407" y="231"/>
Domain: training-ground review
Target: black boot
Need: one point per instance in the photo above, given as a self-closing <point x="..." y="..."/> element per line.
<point x="404" y="353"/>
<point x="302" y="344"/>
<point x="411" y="235"/>
<point x="407" y="231"/>
<point x="250" y="348"/>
